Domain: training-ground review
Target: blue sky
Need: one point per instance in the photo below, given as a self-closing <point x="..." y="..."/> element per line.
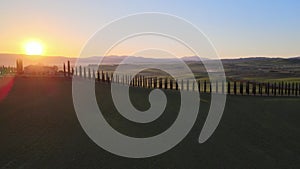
<point x="237" y="28"/>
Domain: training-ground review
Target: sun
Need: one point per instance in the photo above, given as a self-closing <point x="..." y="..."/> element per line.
<point x="33" y="48"/>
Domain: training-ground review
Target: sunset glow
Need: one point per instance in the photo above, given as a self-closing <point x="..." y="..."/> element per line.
<point x="33" y="48"/>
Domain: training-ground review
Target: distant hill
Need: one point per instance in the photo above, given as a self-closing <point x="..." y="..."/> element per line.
<point x="263" y="60"/>
<point x="10" y="59"/>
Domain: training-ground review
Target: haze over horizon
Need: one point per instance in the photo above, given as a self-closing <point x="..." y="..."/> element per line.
<point x="236" y="28"/>
<point x="140" y="56"/>
<point x="10" y="59"/>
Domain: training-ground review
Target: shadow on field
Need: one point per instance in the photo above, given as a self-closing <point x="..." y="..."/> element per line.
<point x="39" y="129"/>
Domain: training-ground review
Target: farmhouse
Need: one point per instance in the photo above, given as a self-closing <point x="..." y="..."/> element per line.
<point x="40" y="70"/>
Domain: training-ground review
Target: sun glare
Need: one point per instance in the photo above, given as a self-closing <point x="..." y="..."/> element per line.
<point x="34" y="48"/>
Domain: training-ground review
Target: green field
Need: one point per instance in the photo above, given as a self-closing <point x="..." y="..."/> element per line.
<point x="39" y="129"/>
<point x="253" y="69"/>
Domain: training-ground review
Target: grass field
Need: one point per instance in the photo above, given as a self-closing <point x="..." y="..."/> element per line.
<point x="252" y="69"/>
<point x="39" y="129"/>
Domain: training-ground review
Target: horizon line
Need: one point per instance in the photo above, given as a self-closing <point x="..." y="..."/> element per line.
<point x="222" y="58"/>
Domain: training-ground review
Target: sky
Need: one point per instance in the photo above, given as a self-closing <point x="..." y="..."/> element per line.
<point x="237" y="28"/>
